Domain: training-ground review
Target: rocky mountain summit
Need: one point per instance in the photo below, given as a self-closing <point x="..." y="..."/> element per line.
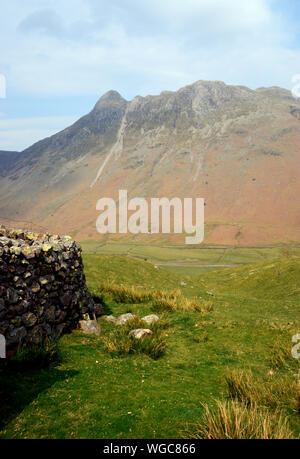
<point x="238" y="148"/>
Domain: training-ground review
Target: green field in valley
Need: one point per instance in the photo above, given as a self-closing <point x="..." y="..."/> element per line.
<point x="192" y="260"/>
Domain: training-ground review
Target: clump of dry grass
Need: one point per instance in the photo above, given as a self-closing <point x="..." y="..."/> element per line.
<point x="175" y="301"/>
<point x="279" y="391"/>
<point x="257" y="409"/>
<point x="165" y="301"/>
<point x="281" y="354"/>
<point x="119" y="342"/>
<point x="240" y="386"/>
<point x="124" y="294"/>
<point x="234" y="420"/>
<point x="208" y="306"/>
<point x="161" y="300"/>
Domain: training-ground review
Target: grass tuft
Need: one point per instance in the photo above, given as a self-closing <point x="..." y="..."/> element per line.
<point x="124" y="294"/>
<point x="174" y="301"/>
<point x="234" y="420"/>
<point x="161" y="300"/>
<point x="276" y="392"/>
<point x="119" y="342"/>
<point x="281" y="355"/>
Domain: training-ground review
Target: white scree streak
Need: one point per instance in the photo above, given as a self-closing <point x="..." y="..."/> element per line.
<point x="116" y="150"/>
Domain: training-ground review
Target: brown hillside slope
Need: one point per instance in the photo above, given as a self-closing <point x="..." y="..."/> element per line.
<point x="237" y="148"/>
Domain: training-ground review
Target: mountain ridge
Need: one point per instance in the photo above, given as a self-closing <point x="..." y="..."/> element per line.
<point x="238" y="148"/>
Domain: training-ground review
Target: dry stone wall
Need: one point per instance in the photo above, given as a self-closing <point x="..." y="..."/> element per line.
<point x="42" y="286"/>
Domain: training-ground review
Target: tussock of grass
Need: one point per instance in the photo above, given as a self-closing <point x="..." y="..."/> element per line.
<point x="281" y="355"/>
<point x="234" y="420"/>
<point x="161" y="300"/>
<point x="277" y="391"/>
<point x="119" y="342"/>
<point x="123" y="294"/>
<point x="175" y="301"/>
<point x="257" y="409"/>
<point x="169" y="301"/>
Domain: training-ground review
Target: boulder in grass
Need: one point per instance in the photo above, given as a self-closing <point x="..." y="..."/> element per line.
<point x="141" y="333"/>
<point x="151" y="318"/>
<point x="89" y="327"/>
<point x="112" y="319"/>
<point x="124" y="317"/>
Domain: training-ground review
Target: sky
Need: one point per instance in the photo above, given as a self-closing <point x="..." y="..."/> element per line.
<point x="58" y="57"/>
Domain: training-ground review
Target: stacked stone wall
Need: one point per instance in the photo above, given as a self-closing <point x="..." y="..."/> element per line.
<point x="43" y="292"/>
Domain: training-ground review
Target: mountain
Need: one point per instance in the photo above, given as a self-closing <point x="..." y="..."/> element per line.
<point x="7" y="159"/>
<point x="236" y="147"/>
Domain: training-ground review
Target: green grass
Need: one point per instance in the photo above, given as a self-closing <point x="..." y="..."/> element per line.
<point x="119" y="341"/>
<point x="96" y="392"/>
<point x="201" y="256"/>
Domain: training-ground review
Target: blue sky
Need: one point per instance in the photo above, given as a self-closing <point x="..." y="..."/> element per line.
<point x="59" y="57"/>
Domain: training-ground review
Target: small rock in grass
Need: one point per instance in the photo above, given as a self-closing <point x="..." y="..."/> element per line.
<point x="89" y="327"/>
<point x="111" y="319"/>
<point x="150" y="319"/>
<point x="140" y="333"/>
<point x="124" y="317"/>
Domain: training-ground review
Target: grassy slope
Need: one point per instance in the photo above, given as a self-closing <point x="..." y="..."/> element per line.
<point x="91" y="395"/>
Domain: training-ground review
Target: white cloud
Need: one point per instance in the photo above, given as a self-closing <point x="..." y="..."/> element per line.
<point x="43" y="21"/>
<point x="86" y="47"/>
<point x="20" y="133"/>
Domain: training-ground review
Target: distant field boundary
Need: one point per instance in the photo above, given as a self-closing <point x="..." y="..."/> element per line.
<point x="260" y="247"/>
<point x="191" y="247"/>
<point x="166" y="256"/>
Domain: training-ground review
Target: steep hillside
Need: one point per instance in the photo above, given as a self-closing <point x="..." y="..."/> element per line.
<point x="273" y="279"/>
<point x="7" y="159"/>
<point x="237" y="148"/>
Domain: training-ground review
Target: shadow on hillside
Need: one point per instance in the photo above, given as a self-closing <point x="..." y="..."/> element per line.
<point x="20" y="388"/>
